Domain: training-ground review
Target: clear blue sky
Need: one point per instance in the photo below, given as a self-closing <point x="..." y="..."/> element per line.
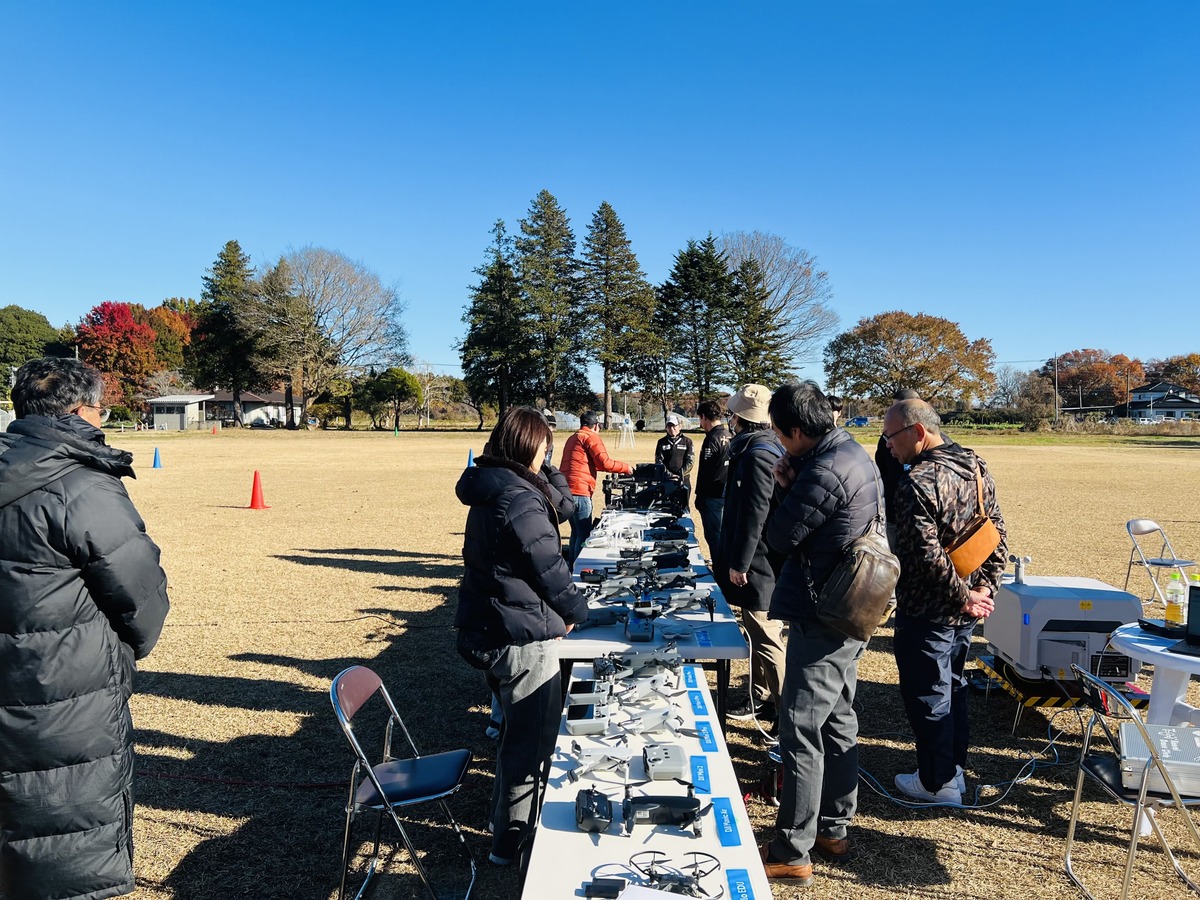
<point x="1030" y="170"/>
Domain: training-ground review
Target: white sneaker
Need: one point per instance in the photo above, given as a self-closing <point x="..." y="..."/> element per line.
<point x="910" y="786"/>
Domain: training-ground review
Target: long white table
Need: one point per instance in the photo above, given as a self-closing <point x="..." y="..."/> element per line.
<point x="1172" y="672"/>
<point x="714" y="641"/>
<point x="564" y="859"/>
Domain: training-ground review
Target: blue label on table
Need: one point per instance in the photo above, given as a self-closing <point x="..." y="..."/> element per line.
<point x="689" y="677"/>
<point x="703" y="639"/>
<point x="727" y="830"/>
<point x="739" y="884"/>
<point x="699" y="707"/>
<point x="708" y="741"/>
<point x="700" y="775"/>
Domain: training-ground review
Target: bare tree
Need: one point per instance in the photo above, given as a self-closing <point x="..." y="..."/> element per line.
<point x="798" y="293"/>
<point x="345" y="319"/>
<point x="1009" y="382"/>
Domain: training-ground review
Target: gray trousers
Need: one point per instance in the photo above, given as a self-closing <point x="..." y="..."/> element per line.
<point x="767" y="654"/>
<point x="818" y="739"/>
<point x="526" y="679"/>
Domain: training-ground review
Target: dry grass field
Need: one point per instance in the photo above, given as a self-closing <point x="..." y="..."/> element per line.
<point x="240" y="760"/>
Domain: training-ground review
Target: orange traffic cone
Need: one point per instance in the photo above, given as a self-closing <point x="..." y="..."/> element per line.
<point x="256" y="495"/>
<point x="214" y="429"/>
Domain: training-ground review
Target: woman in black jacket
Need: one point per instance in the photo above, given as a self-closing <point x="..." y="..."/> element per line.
<point x="516" y="599"/>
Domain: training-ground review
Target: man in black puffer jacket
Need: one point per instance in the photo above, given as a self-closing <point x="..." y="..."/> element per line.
<point x="833" y="495"/>
<point x="81" y="597"/>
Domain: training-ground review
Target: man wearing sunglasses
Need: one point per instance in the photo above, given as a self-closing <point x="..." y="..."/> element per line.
<point x="81" y="597"/>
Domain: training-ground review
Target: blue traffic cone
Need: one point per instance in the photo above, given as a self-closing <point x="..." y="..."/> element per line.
<point x="157" y="461"/>
<point x="470" y="458"/>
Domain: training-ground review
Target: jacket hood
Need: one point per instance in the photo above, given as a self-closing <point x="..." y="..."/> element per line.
<point x="481" y="483"/>
<point x="38" y="450"/>
<point x="747" y="439"/>
<point x="953" y="456"/>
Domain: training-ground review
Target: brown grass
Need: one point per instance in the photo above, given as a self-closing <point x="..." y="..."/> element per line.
<point x="357" y="560"/>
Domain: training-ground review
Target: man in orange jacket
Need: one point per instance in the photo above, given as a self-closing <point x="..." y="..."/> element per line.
<point x="584" y="455"/>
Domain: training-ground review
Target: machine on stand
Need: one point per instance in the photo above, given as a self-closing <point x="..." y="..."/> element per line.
<point x="1042" y="625"/>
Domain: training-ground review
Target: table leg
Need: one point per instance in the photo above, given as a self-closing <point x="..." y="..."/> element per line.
<point x="1166" y="691"/>
<point x="723" y="666"/>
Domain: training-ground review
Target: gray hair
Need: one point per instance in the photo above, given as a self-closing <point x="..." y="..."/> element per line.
<point x="51" y="386"/>
<point x="912" y="412"/>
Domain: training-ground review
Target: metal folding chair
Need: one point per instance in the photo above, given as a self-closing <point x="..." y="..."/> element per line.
<point x="1167" y="558"/>
<point x="1104" y="767"/>
<point x="392" y="784"/>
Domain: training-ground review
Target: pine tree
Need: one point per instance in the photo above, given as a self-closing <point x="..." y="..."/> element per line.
<point x="754" y="339"/>
<point x="224" y="350"/>
<point x="495" y="350"/>
<point x="694" y="306"/>
<point x="618" y="301"/>
<point x="549" y="276"/>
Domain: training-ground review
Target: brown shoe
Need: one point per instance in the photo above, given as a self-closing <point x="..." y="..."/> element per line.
<point x="833" y="849"/>
<point x="801" y="876"/>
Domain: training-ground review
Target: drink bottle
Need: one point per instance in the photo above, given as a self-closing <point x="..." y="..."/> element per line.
<point x="1176" y="598"/>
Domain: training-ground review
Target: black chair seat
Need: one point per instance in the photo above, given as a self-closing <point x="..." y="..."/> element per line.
<point x="415" y="780"/>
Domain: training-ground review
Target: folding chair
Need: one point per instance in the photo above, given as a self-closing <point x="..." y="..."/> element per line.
<point x="1167" y="558"/>
<point x="392" y="784"/>
<point x="1104" y="767"/>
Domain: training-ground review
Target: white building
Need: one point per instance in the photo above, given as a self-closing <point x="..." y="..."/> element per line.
<point x="179" y="412"/>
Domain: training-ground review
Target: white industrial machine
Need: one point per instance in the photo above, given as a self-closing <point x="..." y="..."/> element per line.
<point x="1042" y="624"/>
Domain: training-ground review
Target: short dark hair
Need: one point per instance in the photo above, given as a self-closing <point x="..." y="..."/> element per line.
<point x="742" y="425"/>
<point x="517" y="435"/>
<point x="589" y="419"/>
<point x="709" y="409"/>
<point x="51" y="386"/>
<point x="801" y="406"/>
<point x="835" y="402"/>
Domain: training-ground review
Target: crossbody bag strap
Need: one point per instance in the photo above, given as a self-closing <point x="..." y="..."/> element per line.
<point x="979" y="486"/>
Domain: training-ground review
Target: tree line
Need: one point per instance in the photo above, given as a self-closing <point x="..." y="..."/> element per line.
<point x="319" y="326"/>
<point x="745" y="307"/>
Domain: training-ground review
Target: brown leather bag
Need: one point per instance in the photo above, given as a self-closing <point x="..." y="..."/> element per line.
<point x="857" y="591"/>
<point x="978" y="540"/>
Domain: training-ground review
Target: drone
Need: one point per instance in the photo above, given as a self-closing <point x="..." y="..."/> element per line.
<point x="684" y="880"/>
<point x="663" y="809"/>
<point x="605" y="758"/>
<point x="637" y="663"/>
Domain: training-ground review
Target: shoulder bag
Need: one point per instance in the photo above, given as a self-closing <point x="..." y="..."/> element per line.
<point x="978" y="540"/>
<point x="857" y="591"/>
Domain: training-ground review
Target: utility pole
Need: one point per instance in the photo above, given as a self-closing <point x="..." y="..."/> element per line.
<point x="1055" y="388"/>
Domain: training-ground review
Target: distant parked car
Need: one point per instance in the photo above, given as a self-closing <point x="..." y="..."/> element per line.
<point x="858" y="422"/>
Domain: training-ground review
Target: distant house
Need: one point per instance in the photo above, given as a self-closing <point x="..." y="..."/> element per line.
<point x="257" y="409"/>
<point x="179" y="412"/>
<point x="1160" y="400"/>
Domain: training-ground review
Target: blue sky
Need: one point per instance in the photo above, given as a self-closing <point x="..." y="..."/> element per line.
<point x="1026" y="169"/>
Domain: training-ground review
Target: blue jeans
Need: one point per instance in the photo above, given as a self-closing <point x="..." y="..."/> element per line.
<point x="930" y="658"/>
<point x="581" y="525"/>
<point x="712" y="511"/>
<point x="818" y="740"/>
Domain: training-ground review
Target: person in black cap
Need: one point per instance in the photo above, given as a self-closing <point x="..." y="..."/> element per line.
<point x="676" y="453"/>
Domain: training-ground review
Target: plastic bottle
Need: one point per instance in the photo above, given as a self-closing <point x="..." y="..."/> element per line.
<point x="1187" y="597"/>
<point x="1176" y="598"/>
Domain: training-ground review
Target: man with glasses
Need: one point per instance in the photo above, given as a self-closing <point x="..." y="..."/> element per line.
<point x="936" y="609"/>
<point x="82" y="596"/>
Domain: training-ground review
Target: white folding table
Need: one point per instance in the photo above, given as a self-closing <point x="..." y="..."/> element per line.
<point x="713" y="642"/>
<point x="563" y="858"/>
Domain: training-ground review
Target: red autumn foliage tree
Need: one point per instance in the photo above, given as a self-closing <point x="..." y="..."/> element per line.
<point x="111" y="339"/>
<point x="1183" y="370"/>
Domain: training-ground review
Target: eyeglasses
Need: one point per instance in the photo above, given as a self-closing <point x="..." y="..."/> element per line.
<point x="102" y="411"/>
<point x="888" y="437"/>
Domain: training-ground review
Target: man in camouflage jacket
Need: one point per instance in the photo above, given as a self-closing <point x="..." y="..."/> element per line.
<point x="936" y="609"/>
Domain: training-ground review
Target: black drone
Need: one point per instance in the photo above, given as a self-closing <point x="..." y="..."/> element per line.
<point x="685" y="880"/>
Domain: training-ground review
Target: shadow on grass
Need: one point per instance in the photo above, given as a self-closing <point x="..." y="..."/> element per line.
<point x="396" y="568"/>
<point x="284" y="785"/>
